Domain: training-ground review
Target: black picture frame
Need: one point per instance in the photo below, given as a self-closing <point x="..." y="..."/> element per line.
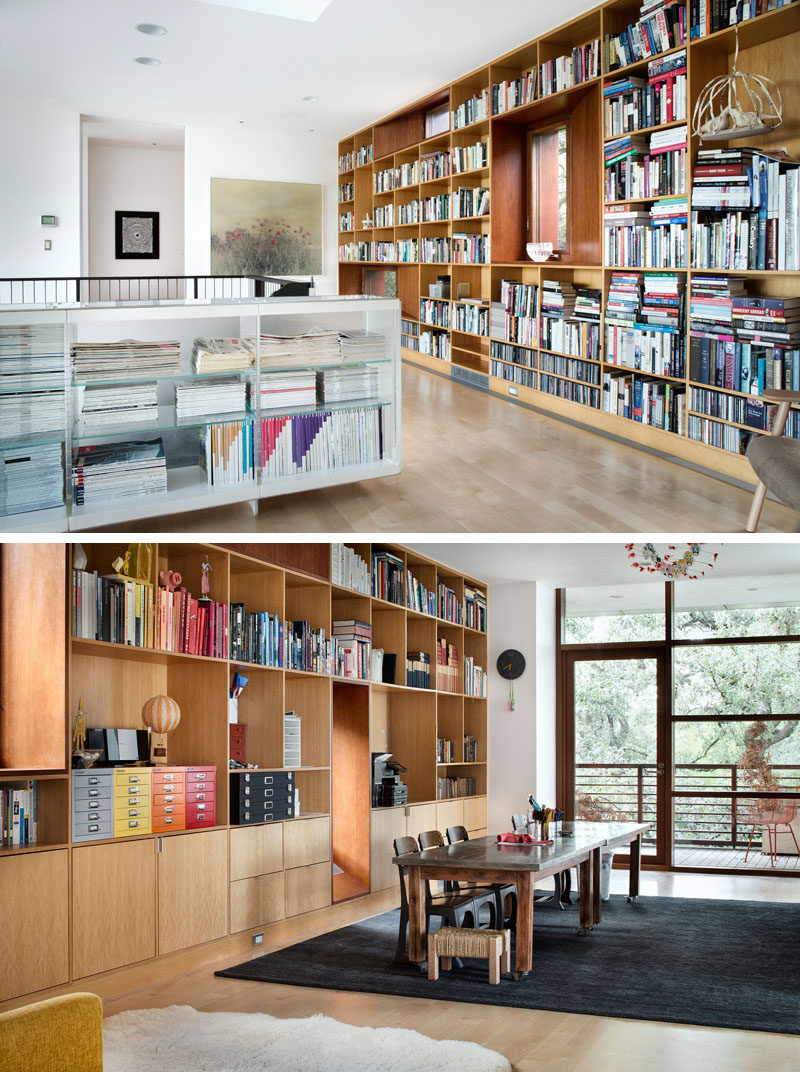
<point x="128" y="246"/>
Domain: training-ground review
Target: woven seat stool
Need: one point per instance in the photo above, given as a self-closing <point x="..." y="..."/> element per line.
<point x="449" y="942"/>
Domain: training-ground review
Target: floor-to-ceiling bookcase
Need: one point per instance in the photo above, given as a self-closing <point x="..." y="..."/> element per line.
<point x="71" y="909"/>
<point x="394" y="186"/>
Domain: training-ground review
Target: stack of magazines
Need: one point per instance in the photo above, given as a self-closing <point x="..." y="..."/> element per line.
<point x="221" y="355"/>
<point x="360" y="345"/>
<point x="130" y="403"/>
<point x="96" y="361"/>
<point x="118" y="471"/>
<point x="285" y="390"/>
<point x="356" y="383"/>
<point x="209" y="397"/>
<point x="31" y="478"/>
<point x="313" y="347"/>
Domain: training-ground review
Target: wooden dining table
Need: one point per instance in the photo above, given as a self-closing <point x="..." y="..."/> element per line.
<point x="487" y="862"/>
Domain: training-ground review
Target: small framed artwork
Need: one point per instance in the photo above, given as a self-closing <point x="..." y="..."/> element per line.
<point x="136" y="235"/>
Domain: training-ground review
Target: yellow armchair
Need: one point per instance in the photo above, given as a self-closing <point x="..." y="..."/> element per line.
<point x="53" y="1035"/>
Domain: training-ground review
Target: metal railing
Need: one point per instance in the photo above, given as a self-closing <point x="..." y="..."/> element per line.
<point x="627" y="792"/>
<point x="69" y="290"/>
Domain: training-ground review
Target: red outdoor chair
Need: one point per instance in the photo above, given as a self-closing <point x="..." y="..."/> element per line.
<point x="769" y="815"/>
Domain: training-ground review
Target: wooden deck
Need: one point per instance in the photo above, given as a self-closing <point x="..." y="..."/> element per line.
<point x="734" y="858"/>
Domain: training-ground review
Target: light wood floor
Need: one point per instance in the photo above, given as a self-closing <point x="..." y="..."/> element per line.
<point x="533" y="1041"/>
<point x="474" y="463"/>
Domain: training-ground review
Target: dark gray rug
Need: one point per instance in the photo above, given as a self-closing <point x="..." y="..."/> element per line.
<point x="714" y="963"/>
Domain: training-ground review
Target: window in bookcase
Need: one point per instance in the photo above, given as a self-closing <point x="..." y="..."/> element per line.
<point x="548" y="219"/>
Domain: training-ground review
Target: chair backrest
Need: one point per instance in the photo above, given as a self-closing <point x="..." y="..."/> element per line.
<point x="402" y="847"/>
<point x="430" y="839"/>
<point x="519" y="822"/>
<point x="456" y="834"/>
<point x="777" y="811"/>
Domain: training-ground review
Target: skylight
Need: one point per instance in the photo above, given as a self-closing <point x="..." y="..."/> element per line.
<point x="300" y="10"/>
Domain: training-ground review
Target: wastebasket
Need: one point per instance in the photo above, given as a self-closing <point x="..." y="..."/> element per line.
<point x="605" y="875"/>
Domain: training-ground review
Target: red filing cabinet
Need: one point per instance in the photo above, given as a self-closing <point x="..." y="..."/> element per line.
<point x="201" y="797"/>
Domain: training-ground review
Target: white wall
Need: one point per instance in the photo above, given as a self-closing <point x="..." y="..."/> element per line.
<point x="40" y="175"/>
<point x="522" y="743"/>
<point x="128" y="178"/>
<point x="245" y="153"/>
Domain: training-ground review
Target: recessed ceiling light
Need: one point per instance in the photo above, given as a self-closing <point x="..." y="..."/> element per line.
<point x="311" y="98"/>
<point x="152" y="29"/>
<point x="312" y="130"/>
<point x="752" y="588"/>
<point x="615" y="597"/>
<point x="148" y="61"/>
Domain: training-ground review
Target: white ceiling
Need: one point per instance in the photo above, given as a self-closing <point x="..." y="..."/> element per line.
<point x="220" y="64"/>
<point x="583" y="563"/>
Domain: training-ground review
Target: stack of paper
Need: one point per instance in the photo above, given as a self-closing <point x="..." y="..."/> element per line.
<point x="284" y="390"/>
<point x="96" y="361"/>
<point x="221" y="355"/>
<point x="357" y="383"/>
<point x="316" y="346"/>
<point x="130" y="403"/>
<point x="31" y="364"/>
<point x="119" y="471"/>
<point x="209" y="397"/>
<point x="31" y="478"/>
<point x="360" y="345"/>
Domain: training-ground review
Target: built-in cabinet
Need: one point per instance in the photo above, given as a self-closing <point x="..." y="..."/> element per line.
<point x="34" y="947"/>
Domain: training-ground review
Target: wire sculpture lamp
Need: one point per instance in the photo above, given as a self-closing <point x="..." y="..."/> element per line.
<point x="737" y="105"/>
<point x="689" y="561"/>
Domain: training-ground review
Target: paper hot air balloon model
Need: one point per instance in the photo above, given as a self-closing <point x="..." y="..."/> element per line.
<point x="161" y="715"/>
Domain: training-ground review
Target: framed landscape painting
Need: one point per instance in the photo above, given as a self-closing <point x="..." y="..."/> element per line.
<point x="265" y="228"/>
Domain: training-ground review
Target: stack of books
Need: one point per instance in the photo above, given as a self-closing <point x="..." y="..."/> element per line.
<point x="570" y="325"/>
<point x="256" y="636"/>
<point x="447" y="666"/>
<point x="450" y="608"/>
<point x="351" y="644"/>
<point x="474" y="608"/>
<point x="656" y="171"/>
<point x="636" y="238"/>
<point x="131" y="403"/>
<point x="644" y="322"/>
<point x="661" y="27"/>
<point x="418" y="597"/>
<point x="514" y="91"/>
<point x="285" y="390"/>
<point x="209" y="397"/>
<point x="32" y="398"/>
<point x="475" y="678"/>
<point x="118" y="471"/>
<point x="221" y="355"/>
<point x="632" y="103"/>
<point x="355" y="384"/>
<point x="93" y="362"/>
<point x="418" y="670"/>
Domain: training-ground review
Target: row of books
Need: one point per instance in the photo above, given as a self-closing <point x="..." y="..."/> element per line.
<point x="637" y="170"/>
<point x="710" y="16"/>
<point x="348" y="569"/>
<point x="434" y="209"/>
<point x="256" y="636"/>
<point x="654" y="402"/>
<point x="435" y="165"/>
<point x="32" y="401"/>
<point x="632" y="103"/>
<point x="644" y="322"/>
<point x="752" y="412"/>
<point x="345" y="192"/>
<point x="475" y="678"/>
<point x="564" y="72"/>
<point x="445" y="750"/>
<point x="472" y="110"/>
<point x="447" y="668"/>
<point x="470" y="749"/>
<point x="576" y="337"/>
<point x="307" y="649"/>
<point x="474" y="608"/>
<point x="745" y="367"/>
<point x="450" y="788"/>
<point x="316" y="442"/>
<point x="228" y="453"/>
<point x="19" y="814"/>
<point x="654" y="239"/>
<point x="383" y="216"/>
<point x="516" y="355"/>
<point x="745" y="205"/>
<point x="405" y="214"/>
<point x="115" y="609"/>
<point x="449" y="604"/>
<point x="347" y="221"/>
<point x="387" y="577"/>
<point x="418" y="670"/>
<point x="661" y="26"/>
<point x="512" y="373"/>
<point x="433" y="311"/>
<point x="409" y="334"/>
<point x="191" y="626"/>
<point x="514" y="92"/>
<point x="471" y="248"/>
<point x="471" y="317"/>
<point x="435" y="344"/>
<point x="470" y="201"/>
<point x="351" y="648"/>
<point x="717" y="434"/>
<point x="571" y="367"/>
<point x="573" y="392"/>
<point x="355" y="158"/>
<point x="418" y="597"/>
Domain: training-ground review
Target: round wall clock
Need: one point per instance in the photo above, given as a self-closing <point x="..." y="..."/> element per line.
<point x="511" y="664"/>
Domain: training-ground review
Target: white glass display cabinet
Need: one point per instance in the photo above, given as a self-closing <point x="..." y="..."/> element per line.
<point x="126" y="411"/>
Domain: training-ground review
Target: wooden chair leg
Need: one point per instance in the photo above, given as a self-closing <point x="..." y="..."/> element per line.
<point x="506" y="965"/>
<point x="447" y="963"/>
<point x="755" y="509"/>
<point x="402" y="937"/>
<point x="495" y="947"/>
<point x="433" y="958"/>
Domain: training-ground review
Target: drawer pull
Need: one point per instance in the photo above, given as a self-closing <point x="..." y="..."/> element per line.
<point x="93" y="828"/>
<point x="133" y="824"/>
<point x="94" y="781"/>
<point x="93" y="818"/>
<point x="94" y="792"/>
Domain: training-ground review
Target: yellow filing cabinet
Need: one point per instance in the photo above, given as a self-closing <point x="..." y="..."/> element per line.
<point x="132" y="801"/>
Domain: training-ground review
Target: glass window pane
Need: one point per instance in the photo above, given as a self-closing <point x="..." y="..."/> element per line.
<point x="549" y="187"/>
<point x="712" y="832"/>
<point x="727" y="679"/>
<point x="607" y="613"/>
<point x="744" y="606"/>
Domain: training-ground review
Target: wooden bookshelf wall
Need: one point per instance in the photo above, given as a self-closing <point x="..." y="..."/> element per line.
<point x="125" y="900"/>
<point x="768" y="44"/>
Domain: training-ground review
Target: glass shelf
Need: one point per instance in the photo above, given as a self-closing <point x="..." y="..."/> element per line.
<point x="167" y="422"/>
<point x="19" y="440"/>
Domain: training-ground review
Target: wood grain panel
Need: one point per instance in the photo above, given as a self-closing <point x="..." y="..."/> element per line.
<point x="256" y="902"/>
<point x="114" y="690"/>
<point x="33" y="580"/>
<point x="308" y="888"/>
<point x="386" y="825"/>
<point x="256" y="850"/>
<point x="311" y="558"/>
<point x="192" y="889"/>
<point x="449" y="813"/>
<point x="420" y="818"/>
<point x="306" y="842"/>
<point x="475" y="813"/>
<point x="34" y="946"/>
<point x="352" y="784"/>
<point x="113" y="906"/>
<point x="310" y="697"/>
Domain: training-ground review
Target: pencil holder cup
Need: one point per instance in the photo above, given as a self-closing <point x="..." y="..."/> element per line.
<point x="233" y="710"/>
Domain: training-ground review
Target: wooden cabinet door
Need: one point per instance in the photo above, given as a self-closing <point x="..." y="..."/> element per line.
<point x="387" y="824"/>
<point x="308" y="888"/>
<point x="257" y="901"/>
<point x="192" y="889"/>
<point x="34" y="944"/>
<point x="306" y="841"/>
<point x="113" y="905"/>
<point x="421" y="817"/>
<point x="256" y="850"/>
<point x="475" y="814"/>
<point x="449" y="813"/>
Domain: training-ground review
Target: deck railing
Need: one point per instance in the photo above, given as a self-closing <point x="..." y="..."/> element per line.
<point x="68" y="290"/>
<point x="627" y="792"/>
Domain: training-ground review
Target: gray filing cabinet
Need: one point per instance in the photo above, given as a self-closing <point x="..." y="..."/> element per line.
<point x="92" y="805"/>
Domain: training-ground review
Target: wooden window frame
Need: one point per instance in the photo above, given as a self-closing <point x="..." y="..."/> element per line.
<point x="530" y="134"/>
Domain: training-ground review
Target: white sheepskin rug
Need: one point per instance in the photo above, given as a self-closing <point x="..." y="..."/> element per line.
<point x="180" y="1039"/>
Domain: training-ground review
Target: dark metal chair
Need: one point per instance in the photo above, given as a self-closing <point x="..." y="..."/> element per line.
<point x="562" y="883"/>
<point x="503" y="892"/>
<point x="457" y="909"/>
<point x="484" y="896"/>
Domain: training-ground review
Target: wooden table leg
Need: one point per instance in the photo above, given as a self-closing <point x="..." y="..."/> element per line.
<point x="524" y="953"/>
<point x="417" y="929"/>
<point x="597" y="866"/>
<point x="634" y="868"/>
<point x="585" y="868"/>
